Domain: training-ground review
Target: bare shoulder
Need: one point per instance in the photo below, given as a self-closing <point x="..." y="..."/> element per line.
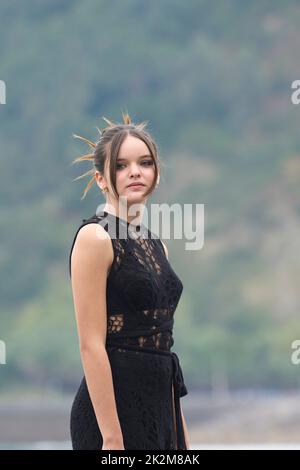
<point x="93" y="245"/>
<point x="92" y="232"/>
<point x="166" y="249"/>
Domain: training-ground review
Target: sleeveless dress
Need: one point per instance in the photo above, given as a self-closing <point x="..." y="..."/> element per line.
<point x="141" y="295"/>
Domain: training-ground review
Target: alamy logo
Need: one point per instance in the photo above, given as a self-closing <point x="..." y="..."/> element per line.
<point x="2" y="92"/>
<point x="187" y="221"/>
<point x="295" y="98"/>
<point x="2" y="352"/>
<point x="295" y="356"/>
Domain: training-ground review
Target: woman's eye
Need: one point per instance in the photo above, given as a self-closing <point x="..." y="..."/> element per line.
<point x="146" y="163"/>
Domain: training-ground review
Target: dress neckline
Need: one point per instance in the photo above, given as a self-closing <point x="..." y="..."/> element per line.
<point x="120" y="219"/>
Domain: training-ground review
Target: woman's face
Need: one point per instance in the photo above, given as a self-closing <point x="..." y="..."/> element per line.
<point x="134" y="165"/>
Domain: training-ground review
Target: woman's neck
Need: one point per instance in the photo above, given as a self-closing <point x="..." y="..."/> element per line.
<point x="123" y="214"/>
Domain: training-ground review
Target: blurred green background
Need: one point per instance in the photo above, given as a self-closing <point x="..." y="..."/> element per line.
<point x="214" y="81"/>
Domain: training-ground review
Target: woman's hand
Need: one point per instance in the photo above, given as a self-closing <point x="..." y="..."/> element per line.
<point x="113" y="445"/>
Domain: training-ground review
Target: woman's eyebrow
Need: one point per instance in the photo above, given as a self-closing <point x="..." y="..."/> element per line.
<point x="142" y="156"/>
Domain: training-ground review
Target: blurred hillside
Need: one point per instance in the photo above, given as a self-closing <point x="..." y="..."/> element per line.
<point x="214" y="82"/>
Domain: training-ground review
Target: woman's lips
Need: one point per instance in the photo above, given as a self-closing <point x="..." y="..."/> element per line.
<point x="136" y="186"/>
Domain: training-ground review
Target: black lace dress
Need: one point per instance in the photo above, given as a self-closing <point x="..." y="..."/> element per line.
<point x="142" y="294"/>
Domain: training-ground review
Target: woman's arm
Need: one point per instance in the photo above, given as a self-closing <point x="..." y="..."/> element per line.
<point x="186" y="435"/>
<point x="166" y="250"/>
<point x="91" y="259"/>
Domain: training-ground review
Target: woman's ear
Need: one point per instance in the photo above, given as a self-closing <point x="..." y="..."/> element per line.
<point x="99" y="179"/>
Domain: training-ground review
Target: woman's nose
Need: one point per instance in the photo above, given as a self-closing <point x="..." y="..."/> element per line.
<point x="134" y="170"/>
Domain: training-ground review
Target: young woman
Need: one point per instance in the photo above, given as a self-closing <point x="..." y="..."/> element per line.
<point x="125" y="295"/>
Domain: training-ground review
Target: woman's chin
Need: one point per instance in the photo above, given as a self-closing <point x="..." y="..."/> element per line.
<point x="134" y="197"/>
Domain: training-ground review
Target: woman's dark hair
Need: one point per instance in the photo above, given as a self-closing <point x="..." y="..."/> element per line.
<point x="106" y="150"/>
